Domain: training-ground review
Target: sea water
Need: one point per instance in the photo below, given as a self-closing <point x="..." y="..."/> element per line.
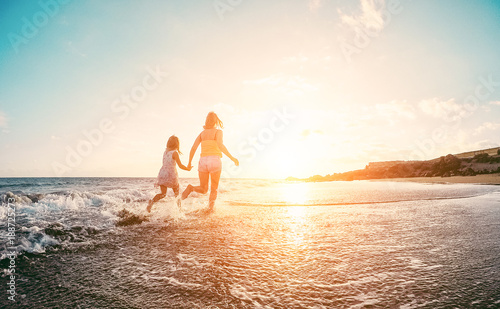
<point x="268" y="244"/>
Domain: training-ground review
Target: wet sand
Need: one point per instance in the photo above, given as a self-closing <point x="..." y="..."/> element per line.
<point x="491" y="179"/>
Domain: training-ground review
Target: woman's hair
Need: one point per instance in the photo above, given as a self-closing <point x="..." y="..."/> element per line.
<point x="213" y="121"/>
<point x="173" y="143"/>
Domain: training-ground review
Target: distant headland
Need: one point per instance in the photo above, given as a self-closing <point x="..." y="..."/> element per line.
<point x="472" y="163"/>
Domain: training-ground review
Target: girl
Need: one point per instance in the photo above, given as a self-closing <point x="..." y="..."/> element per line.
<point x="210" y="164"/>
<point x="167" y="177"/>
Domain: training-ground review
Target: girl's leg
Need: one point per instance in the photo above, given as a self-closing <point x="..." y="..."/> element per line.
<point x="157" y="197"/>
<point x="202" y="188"/>
<point x="176" y="193"/>
<point x="214" y="186"/>
<point x="160" y="195"/>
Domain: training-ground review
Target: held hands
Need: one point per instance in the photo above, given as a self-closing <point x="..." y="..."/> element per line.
<point x="189" y="167"/>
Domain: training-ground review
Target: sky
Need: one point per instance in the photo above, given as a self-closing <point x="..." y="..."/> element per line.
<point x="304" y="87"/>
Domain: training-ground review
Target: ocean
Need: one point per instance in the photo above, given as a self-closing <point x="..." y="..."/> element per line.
<point x="89" y="243"/>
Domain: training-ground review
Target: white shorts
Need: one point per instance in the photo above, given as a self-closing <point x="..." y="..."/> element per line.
<point x="210" y="164"/>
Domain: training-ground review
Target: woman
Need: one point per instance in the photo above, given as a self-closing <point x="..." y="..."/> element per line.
<point x="210" y="165"/>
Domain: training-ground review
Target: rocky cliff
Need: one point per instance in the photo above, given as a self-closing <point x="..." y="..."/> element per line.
<point x="445" y="166"/>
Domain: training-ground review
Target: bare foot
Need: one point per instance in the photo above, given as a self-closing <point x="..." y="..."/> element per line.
<point x="186" y="192"/>
<point x="211" y="206"/>
<point x="150" y="204"/>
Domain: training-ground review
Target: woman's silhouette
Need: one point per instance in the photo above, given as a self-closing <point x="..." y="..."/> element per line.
<point x="210" y="165"/>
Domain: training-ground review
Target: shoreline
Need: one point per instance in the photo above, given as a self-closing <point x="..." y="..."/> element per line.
<point x="486" y="179"/>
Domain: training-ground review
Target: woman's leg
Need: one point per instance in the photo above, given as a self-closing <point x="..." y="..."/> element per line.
<point x="202" y="188"/>
<point x="157" y="197"/>
<point x="214" y="186"/>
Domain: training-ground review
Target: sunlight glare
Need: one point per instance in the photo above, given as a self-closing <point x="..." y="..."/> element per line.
<point x="296" y="211"/>
<point x="295" y="193"/>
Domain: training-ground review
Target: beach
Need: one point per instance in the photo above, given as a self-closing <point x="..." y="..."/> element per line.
<point x="250" y="154"/>
<point x="269" y="244"/>
<point x="491" y="179"/>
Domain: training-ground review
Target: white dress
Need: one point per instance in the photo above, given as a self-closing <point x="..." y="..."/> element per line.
<point x="168" y="176"/>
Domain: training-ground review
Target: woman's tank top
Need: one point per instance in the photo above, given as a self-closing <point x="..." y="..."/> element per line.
<point x="209" y="147"/>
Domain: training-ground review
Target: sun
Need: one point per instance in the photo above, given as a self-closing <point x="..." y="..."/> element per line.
<point x="284" y="165"/>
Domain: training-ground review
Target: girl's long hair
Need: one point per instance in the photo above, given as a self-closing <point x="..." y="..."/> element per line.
<point x="213" y="121"/>
<point x="173" y="143"/>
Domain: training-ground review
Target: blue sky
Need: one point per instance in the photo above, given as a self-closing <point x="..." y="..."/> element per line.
<point x="303" y="87"/>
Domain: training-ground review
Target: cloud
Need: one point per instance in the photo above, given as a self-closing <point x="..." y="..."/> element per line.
<point x="295" y="59"/>
<point x="446" y="110"/>
<point x="305" y="133"/>
<point x="396" y="109"/>
<point x="487" y="126"/>
<point x="292" y="85"/>
<point x="370" y="16"/>
<point x="302" y="60"/>
<point x="3" y="120"/>
<point x="495" y="103"/>
<point x="314" y="5"/>
<point x="72" y="49"/>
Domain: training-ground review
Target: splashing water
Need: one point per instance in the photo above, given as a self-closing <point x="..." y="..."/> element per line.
<point x="269" y="244"/>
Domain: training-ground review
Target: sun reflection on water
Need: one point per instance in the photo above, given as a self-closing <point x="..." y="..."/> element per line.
<point x="295" y="193"/>
<point x="296" y="221"/>
<point x="296" y="212"/>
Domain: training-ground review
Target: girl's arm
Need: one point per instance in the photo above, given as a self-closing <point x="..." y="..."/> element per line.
<point x="196" y="143"/>
<point x="175" y="156"/>
<point x="224" y="149"/>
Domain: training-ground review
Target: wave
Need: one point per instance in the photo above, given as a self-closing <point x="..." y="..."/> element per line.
<point x="57" y="219"/>
<point x="345" y="203"/>
<point x="77" y="211"/>
<point x="54" y="237"/>
<point x="22" y="184"/>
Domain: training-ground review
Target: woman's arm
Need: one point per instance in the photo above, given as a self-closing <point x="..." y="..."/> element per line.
<point x="196" y="143"/>
<point x="223" y="148"/>
<point x="175" y="156"/>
